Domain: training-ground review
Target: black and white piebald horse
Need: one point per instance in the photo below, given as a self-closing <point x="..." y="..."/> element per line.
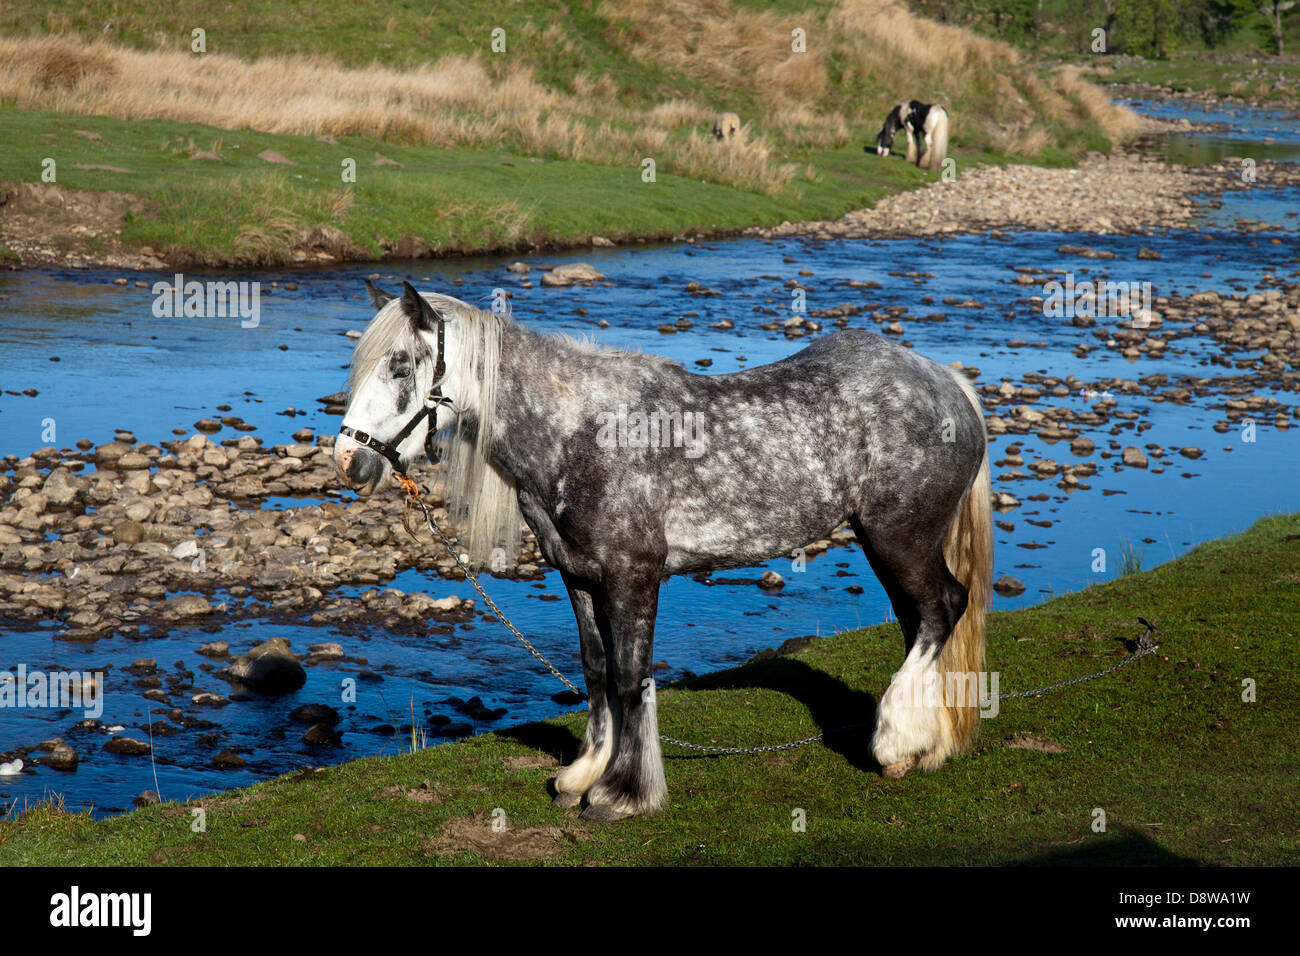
<point x="718" y="471"/>
<point x="925" y="123"/>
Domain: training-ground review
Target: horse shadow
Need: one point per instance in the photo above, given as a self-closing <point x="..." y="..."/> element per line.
<point x="1125" y="847"/>
<point x="843" y="714"/>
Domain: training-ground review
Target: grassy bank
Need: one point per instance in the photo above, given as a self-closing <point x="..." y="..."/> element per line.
<point x="1184" y="769"/>
<point x="1264" y="79"/>
<point x="543" y="140"/>
<point x="239" y="209"/>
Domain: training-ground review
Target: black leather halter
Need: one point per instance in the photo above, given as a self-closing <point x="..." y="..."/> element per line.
<point x="430" y="411"/>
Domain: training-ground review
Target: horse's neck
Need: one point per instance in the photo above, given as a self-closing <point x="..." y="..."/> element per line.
<point x="537" y="402"/>
<point x="522" y="390"/>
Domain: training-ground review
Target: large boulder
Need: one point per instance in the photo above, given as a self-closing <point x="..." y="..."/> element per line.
<point x="269" y="668"/>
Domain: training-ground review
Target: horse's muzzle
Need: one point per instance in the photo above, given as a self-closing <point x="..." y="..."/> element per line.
<point x="358" y="466"/>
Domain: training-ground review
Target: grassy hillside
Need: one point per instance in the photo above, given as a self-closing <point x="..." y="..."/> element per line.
<point x="606" y="84"/>
<point x="1185" y="770"/>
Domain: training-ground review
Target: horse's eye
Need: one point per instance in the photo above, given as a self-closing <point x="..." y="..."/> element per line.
<point x="402" y="371"/>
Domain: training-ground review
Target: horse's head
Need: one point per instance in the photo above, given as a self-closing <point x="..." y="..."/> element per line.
<point x="893" y="123"/>
<point x="395" y="402"/>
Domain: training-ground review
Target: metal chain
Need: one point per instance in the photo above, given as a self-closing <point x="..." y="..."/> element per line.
<point x="1145" y="647"/>
<point x="505" y="621"/>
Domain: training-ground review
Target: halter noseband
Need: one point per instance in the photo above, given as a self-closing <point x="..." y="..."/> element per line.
<point x="430" y="411"/>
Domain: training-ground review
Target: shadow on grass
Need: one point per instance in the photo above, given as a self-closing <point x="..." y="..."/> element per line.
<point x="1123" y="847"/>
<point x="830" y="702"/>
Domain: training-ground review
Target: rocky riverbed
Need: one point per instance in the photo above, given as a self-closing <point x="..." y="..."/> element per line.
<point x="112" y="538"/>
<point x="1123" y="193"/>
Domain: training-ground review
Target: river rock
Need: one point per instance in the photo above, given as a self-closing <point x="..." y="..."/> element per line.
<point x="128" y="532"/>
<point x="228" y="758"/>
<point x="146" y="798"/>
<point x="61" y="488"/>
<point x="1008" y="586"/>
<point x="269" y="668"/>
<point x="128" y="746"/>
<point x="1134" y="457"/>
<point x="61" y="757"/>
<point x="321" y="735"/>
<point x="186" y="605"/>
<point x="572" y="274"/>
<point x="771" y="581"/>
<point x="315" y="714"/>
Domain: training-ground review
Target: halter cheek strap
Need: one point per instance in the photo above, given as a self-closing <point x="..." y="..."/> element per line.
<point x="430" y="411"/>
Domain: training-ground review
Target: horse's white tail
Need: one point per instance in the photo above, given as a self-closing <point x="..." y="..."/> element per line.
<point x="936" y="149"/>
<point x="968" y="551"/>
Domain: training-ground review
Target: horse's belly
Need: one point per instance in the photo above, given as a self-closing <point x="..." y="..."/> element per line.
<point x="711" y="541"/>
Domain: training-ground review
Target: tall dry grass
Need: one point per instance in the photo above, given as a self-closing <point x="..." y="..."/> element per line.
<point x="883" y="53"/>
<point x="453" y="102"/>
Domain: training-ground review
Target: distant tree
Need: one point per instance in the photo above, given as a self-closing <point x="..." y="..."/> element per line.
<point x="1151" y="27"/>
<point x="1273" y="10"/>
<point x="1015" y="21"/>
<point x="1217" y="20"/>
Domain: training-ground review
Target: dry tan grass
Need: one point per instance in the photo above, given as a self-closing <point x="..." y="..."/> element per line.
<point x="726" y="49"/>
<point x="1116" y="122"/>
<point x="1024" y="143"/>
<point x="453" y="102"/>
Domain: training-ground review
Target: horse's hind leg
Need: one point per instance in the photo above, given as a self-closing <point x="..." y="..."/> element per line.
<point x="912" y="725"/>
<point x="602" y="729"/>
<point x="634" y="782"/>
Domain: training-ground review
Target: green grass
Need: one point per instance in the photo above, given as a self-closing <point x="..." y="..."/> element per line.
<point x="243" y="210"/>
<point x="1186" y="74"/>
<point x="1185" y="770"/>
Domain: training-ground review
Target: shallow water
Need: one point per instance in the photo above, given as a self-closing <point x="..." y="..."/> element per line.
<point x="1240" y="132"/>
<point x="120" y="367"/>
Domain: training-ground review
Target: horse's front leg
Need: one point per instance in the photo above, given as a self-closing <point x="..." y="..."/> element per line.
<point x="633" y="784"/>
<point x="598" y="743"/>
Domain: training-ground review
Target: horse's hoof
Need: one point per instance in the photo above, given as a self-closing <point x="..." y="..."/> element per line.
<point x="565" y="800"/>
<point x="604" y="814"/>
<point x="900" y="769"/>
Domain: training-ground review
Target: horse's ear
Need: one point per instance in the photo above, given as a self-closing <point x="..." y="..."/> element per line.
<point x="418" y="310"/>
<point x="379" y="297"/>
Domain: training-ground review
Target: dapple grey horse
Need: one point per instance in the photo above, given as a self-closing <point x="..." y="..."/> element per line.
<point x="628" y="468"/>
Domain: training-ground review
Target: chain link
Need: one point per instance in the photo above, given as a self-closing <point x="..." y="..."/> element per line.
<point x="505" y="621"/>
<point x="1145" y="646"/>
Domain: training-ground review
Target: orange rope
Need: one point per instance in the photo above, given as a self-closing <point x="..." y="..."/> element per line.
<point x="412" y="491"/>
